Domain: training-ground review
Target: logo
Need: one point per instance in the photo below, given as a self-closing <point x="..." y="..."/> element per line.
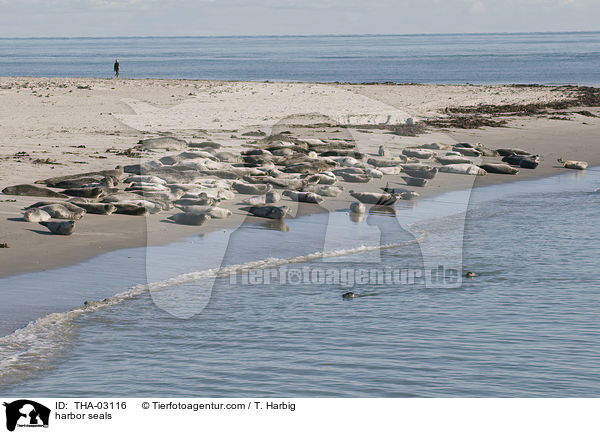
<point x="26" y="413"/>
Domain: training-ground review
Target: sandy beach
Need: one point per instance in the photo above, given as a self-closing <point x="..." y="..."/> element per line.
<point x="56" y="127"/>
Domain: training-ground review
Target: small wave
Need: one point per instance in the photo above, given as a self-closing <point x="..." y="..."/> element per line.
<point x="34" y="347"/>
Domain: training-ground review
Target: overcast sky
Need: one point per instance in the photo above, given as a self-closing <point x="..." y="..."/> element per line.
<point x="22" y="18"/>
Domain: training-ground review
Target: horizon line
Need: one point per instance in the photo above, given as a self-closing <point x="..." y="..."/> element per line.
<point x="303" y="35"/>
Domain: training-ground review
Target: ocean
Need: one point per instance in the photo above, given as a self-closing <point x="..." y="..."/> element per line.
<point x="542" y="58"/>
<point x="526" y="326"/>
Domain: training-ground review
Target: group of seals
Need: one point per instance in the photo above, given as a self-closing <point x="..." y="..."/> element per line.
<point x="196" y="180"/>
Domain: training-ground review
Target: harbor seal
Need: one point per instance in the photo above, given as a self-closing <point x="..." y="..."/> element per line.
<point x="60" y="211"/>
<point x="402" y="192"/>
<point x="355" y="178"/>
<point x="31" y="190"/>
<point x="189" y="218"/>
<point x="97" y="208"/>
<point x="325" y="178"/>
<point x="375" y="198"/>
<point x="270" y="212"/>
<point x="130" y="209"/>
<point x="168" y="143"/>
<point x="323" y="190"/>
<point x="420" y="171"/>
<point x="211" y="211"/>
<point x="117" y="172"/>
<point x="386" y="162"/>
<point x="36" y="215"/>
<point x="200" y="200"/>
<point x="300" y="196"/>
<point x="453" y="159"/>
<point x="421" y="154"/>
<point x="463" y="169"/>
<point x="524" y="161"/>
<point x="573" y="164"/>
<point x="255" y="189"/>
<point x="434" y="146"/>
<point x="204" y="145"/>
<point x="60" y="228"/>
<point x="92" y="193"/>
<point x="467" y="152"/>
<point x="272" y="197"/>
<point x="256" y="200"/>
<point x="415" y="182"/>
<point x="390" y="170"/>
<point x="357" y="208"/>
<point x="349" y="295"/>
<point x="145" y="178"/>
<point x="508" y="151"/>
<point x="77" y="182"/>
<point x="343" y="153"/>
<point x="503" y="169"/>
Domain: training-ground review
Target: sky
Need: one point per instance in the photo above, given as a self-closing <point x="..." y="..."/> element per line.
<point x="70" y="18"/>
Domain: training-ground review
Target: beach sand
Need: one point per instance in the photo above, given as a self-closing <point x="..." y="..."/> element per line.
<point x="54" y="127"/>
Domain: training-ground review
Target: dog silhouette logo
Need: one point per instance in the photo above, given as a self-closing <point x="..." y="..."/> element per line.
<point x="26" y="413"/>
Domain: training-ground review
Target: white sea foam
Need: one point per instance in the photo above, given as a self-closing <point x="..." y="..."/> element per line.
<point x="34" y="347"/>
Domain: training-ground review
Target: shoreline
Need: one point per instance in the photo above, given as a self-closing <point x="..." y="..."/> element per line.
<point x="33" y="251"/>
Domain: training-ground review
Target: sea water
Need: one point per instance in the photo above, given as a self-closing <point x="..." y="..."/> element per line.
<point x="543" y="58"/>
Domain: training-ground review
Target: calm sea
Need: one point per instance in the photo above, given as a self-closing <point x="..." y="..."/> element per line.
<point x="526" y="326"/>
<point x="544" y="58"/>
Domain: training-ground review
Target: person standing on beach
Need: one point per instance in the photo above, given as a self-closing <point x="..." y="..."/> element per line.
<point x="116" y="68"/>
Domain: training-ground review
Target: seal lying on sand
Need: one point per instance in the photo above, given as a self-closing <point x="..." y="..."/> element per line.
<point x="453" y="159"/>
<point x="145" y="178"/>
<point x="375" y="198"/>
<point x="60" y="211"/>
<point x="93" y="192"/>
<point x="325" y="178"/>
<point x="244" y="188"/>
<point x="386" y="162"/>
<point x="78" y="182"/>
<point x="167" y="143"/>
<point x="422" y="154"/>
<point x="60" y="228"/>
<point x="503" y="169"/>
<point x="97" y="208"/>
<point x="468" y="152"/>
<point x="31" y="190"/>
<point x="270" y="212"/>
<point x="573" y="164"/>
<point x="189" y="218"/>
<point x="463" y="169"/>
<point x="524" y="161"/>
<point x="508" y="151"/>
<point x="323" y="190"/>
<point x="130" y="209"/>
<point x="36" y="215"/>
<point x="418" y="171"/>
<point x="53" y="182"/>
<point x="356" y="178"/>
<point x="306" y="197"/>
<point x="415" y="182"/>
<point x="212" y="212"/>
<point x="402" y="192"/>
